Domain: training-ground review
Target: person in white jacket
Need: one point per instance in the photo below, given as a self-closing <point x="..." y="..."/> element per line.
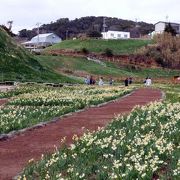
<point x="100" y="83"/>
<point x="148" y="82"/>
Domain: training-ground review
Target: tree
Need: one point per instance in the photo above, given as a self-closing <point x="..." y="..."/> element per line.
<point x="8" y="30"/>
<point x="87" y="25"/>
<point x="24" y="33"/>
<point x="94" y="34"/>
<point x="170" y="29"/>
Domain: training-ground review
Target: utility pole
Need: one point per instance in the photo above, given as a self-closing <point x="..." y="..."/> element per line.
<point x="104" y="28"/>
<point x="38" y="24"/>
<point x="136" y="22"/>
<point x="167" y="17"/>
<point x="104" y="24"/>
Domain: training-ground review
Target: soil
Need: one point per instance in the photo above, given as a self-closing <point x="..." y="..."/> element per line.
<point x="3" y="101"/>
<point x="15" y="152"/>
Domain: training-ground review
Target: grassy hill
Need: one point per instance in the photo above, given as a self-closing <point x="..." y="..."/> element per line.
<point x="99" y="45"/>
<point x="81" y="67"/>
<point x="19" y="65"/>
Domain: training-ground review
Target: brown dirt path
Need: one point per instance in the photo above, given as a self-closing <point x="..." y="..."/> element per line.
<point x="15" y="152"/>
<point x="3" y="101"/>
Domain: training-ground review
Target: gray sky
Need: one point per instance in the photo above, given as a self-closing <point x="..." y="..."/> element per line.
<point x="26" y="13"/>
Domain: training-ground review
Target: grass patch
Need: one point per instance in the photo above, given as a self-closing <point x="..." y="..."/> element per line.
<point x="83" y="66"/>
<point x="99" y="46"/>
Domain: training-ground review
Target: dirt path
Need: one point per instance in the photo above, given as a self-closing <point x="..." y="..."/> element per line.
<point x="4" y="88"/>
<point x="3" y="101"/>
<point x="15" y="152"/>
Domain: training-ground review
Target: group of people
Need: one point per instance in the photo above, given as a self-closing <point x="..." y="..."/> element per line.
<point x="148" y="81"/>
<point x="128" y="81"/>
<point x="90" y="80"/>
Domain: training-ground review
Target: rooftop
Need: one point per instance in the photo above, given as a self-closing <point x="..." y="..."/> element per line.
<point x="167" y="23"/>
<point x="43" y="35"/>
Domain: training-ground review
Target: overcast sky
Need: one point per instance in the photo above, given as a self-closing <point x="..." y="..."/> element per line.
<point x="26" y="13"/>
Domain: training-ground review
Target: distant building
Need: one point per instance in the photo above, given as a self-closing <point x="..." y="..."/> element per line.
<point x="41" y="41"/>
<point x="115" y="35"/>
<point x="160" y="27"/>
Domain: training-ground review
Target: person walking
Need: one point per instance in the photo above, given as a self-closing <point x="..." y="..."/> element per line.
<point x="126" y="82"/>
<point x="91" y="80"/>
<point x="130" y="80"/>
<point x="87" y="80"/>
<point x="101" y="83"/>
<point x="145" y="81"/>
<point x="111" y="82"/>
<point x="148" y="81"/>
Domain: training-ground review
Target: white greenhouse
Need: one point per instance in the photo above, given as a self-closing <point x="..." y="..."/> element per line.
<point x="41" y="41"/>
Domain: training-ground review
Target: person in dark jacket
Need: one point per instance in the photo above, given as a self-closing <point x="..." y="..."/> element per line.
<point x="111" y="81"/>
<point x="130" y="80"/>
<point x="92" y="80"/>
<point x="126" y="82"/>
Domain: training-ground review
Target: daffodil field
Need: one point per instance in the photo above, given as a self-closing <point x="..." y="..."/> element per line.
<point x="172" y="92"/>
<point x="32" y="104"/>
<point x="142" y="145"/>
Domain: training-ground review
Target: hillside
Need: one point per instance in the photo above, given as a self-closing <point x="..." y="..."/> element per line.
<point x="81" y="67"/>
<point x="66" y="28"/>
<point x="99" y="45"/>
<point x="18" y="64"/>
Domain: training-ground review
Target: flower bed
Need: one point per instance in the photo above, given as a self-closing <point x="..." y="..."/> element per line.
<point x="31" y="105"/>
<point x="142" y="145"/>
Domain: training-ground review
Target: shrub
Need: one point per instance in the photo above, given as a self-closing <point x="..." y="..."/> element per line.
<point x="85" y="50"/>
<point x="165" y="52"/>
<point x="108" y="52"/>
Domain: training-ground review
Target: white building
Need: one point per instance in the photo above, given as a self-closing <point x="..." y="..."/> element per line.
<point x="115" y="35"/>
<point x="42" y="40"/>
<point x="160" y="27"/>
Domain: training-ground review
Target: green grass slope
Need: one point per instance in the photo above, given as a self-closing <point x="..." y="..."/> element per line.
<point x="99" y="45"/>
<point x="19" y="65"/>
<point x="82" y="67"/>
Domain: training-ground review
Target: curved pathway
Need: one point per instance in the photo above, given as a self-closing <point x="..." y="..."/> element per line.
<point x="15" y="152"/>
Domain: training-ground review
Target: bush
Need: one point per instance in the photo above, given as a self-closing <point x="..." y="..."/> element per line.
<point x="108" y="52"/>
<point x="166" y="51"/>
<point x="85" y="50"/>
<point x="170" y="49"/>
<point x="54" y="54"/>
